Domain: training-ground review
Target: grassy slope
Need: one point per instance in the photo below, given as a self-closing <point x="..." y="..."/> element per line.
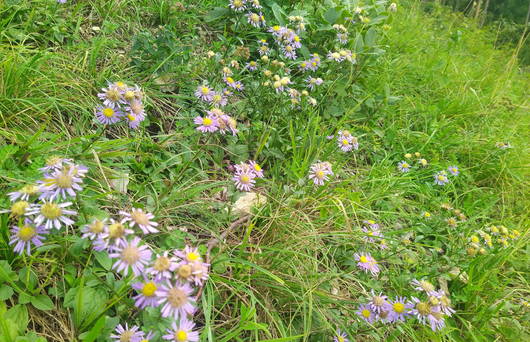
<point x="457" y="97"/>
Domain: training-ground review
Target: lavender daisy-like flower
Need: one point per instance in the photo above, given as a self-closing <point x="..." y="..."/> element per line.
<point x="366" y="313"/>
<point x="111" y="96"/>
<point x="162" y="267"/>
<point x="60" y="184"/>
<point x="244" y="180"/>
<point x="378" y="303"/>
<point x="204" y="93"/>
<point x="108" y="115"/>
<point x="237" y="5"/>
<point x="371" y="224"/>
<point x="124" y="334"/>
<point x="23" y="237"/>
<point x="312" y="82"/>
<point x="52" y="214"/>
<point x="256" y="168"/>
<point x="146" y="293"/>
<point x="54" y="163"/>
<point x="424" y="285"/>
<point x="371" y="234"/>
<point x="440" y="178"/>
<point x="218" y="99"/>
<point x="319" y="172"/>
<point x="340" y="336"/>
<point x="23" y="193"/>
<point x="399" y="309"/>
<point x="289" y="51"/>
<point x="231" y="82"/>
<point x="133" y="121"/>
<point x="264" y="50"/>
<point x="137" y="109"/>
<point x="335" y="56"/>
<point x="367" y="263"/>
<point x="227" y="124"/>
<point x="131" y="255"/>
<point x="342" y="38"/>
<point x="176" y="300"/>
<point x="347" y="144"/>
<point x="117" y="234"/>
<point x="453" y="170"/>
<point x="428" y="314"/>
<point x="252" y="65"/>
<point x="206" y="124"/>
<point x="305" y="65"/>
<point x="444" y="302"/>
<point x="19" y="208"/>
<point x="403" y="166"/>
<point x="255" y="4"/>
<point x="256" y="19"/>
<point x="147" y="338"/>
<point x="141" y="219"/>
<point x="189" y="254"/>
<point x="182" y="332"/>
<point x="95" y="230"/>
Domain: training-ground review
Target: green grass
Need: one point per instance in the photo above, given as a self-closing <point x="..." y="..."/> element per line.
<point x="287" y="272"/>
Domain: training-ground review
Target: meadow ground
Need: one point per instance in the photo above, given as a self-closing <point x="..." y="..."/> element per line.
<point x="412" y="84"/>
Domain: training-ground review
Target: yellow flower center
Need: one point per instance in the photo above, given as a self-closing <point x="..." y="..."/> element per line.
<point x="192" y="256"/>
<point x="398" y="307"/>
<point x="181" y="336"/>
<point x="426" y="286"/>
<point x="51" y="211"/>
<point x="185" y="271"/>
<point x="276" y="28"/>
<point x="254" y="17"/>
<point x="433" y="301"/>
<point x="378" y="301"/>
<point x="126" y="336"/>
<point x="363" y="259"/>
<point x="340" y="339"/>
<point x="244" y="179"/>
<point x="257" y="167"/>
<point x="96" y="227"/>
<point x="64" y="180"/>
<point x="162" y="263"/>
<point x="129" y="95"/>
<point x="319" y="174"/>
<point x="120" y="84"/>
<point x="207" y="122"/>
<point x="176" y="298"/>
<point x="423" y="308"/>
<point x="108" y="112"/>
<point x="131" y="117"/>
<point x="130" y="255"/>
<point x="53" y="160"/>
<point x="335" y="55"/>
<point x="205" y="90"/>
<point x="29" y="189"/>
<point x="475" y="239"/>
<point x="445" y="301"/>
<point x="441" y="177"/>
<point x="149" y="289"/>
<point x="345" y="142"/>
<point x="113" y="94"/>
<point x="26" y="233"/>
<point x="19" y="208"/>
<point x="140" y="217"/>
<point x="116" y="230"/>
<point x="296" y="38"/>
<point x="217" y="98"/>
<point x="288" y="48"/>
<point x="405" y="165"/>
<point x="366" y="313"/>
<point x="427" y="214"/>
<point x="229" y="80"/>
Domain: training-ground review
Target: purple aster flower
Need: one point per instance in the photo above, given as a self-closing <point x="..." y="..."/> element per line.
<point x="146" y="293"/>
<point x="366" y="313"/>
<point x="162" y="267"/>
<point x="108" y="115"/>
<point x="189" y="254"/>
<point x="136" y="108"/>
<point x="378" y="303"/>
<point x="252" y="66"/>
<point x="256" y="168"/>
<point x="255" y="4"/>
<point x="204" y="93"/>
<point x="133" y="121"/>
<point x="428" y="314"/>
<point x="256" y="19"/>
<point x="196" y="271"/>
<point x="440" y="178"/>
<point x="60" y="184"/>
<point x="424" y="285"/>
<point x="445" y="303"/>
<point x="218" y="99"/>
<point x="335" y="56"/>
<point x="371" y="233"/>
<point x="54" y="163"/>
<point x="61" y="1"/>
<point x="52" y="214"/>
<point x="367" y="263"/>
<point x="342" y="38"/>
<point x="289" y="51"/>
<point x="140" y="218"/>
<point x="244" y="180"/>
<point x="147" y="338"/>
<point x="95" y="230"/>
<point x="305" y="65"/>
<point x="111" y="96"/>
<point x="131" y="255"/>
<point x="399" y="309"/>
<point x="124" y="334"/>
<point x="182" y="332"/>
<point x="23" y="237"/>
<point x="371" y="224"/>
<point x="295" y="41"/>
<point x="453" y="170"/>
<point x="340" y="337"/>
<point x="206" y="124"/>
<point x="319" y="172"/>
<point x="227" y="123"/>
<point x="230" y="82"/>
<point x="23" y="193"/>
<point x="237" y="5"/>
<point x="403" y="166"/>
<point x="117" y="234"/>
<point x="347" y="144"/>
<point x="312" y="82"/>
<point x="264" y="50"/>
<point x="176" y="300"/>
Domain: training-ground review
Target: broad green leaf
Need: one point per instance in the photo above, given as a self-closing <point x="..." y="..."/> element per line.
<point x="5" y="292"/>
<point x="19" y="315"/>
<point x="216" y="14"/>
<point x="42" y="302"/>
<point x="24" y="298"/>
<point x="332" y="15"/>
<point x="359" y="43"/>
<point x="278" y="13"/>
<point x="370" y="37"/>
<point x="91" y="335"/>
<point x="103" y="259"/>
<point x="6" y="274"/>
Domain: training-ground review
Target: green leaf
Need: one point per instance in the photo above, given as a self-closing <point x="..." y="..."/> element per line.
<point x="278" y="13"/>
<point x="6" y="274"/>
<point x="95" y="331"/>
<point x="19" y="315"/>
<point x="370" y="37"/>
<point x="359" y="43"/>
<point x="24" y="298"/>
<point x="103" y="259"/>
<point x="332" y="15"/>
<point x="5" y="292"/>
<point x="216" y="14"/>
<point x="42" y="302"/>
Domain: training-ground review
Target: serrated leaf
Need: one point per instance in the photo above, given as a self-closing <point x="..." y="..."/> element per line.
<point x="42" y="302"/>
<point x="5" y="292"/>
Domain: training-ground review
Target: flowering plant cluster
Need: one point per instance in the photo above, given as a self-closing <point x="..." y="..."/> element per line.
<point x="245" y="175"/>
<point x="485" y="239"/>
<point x="121" y="101"/>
